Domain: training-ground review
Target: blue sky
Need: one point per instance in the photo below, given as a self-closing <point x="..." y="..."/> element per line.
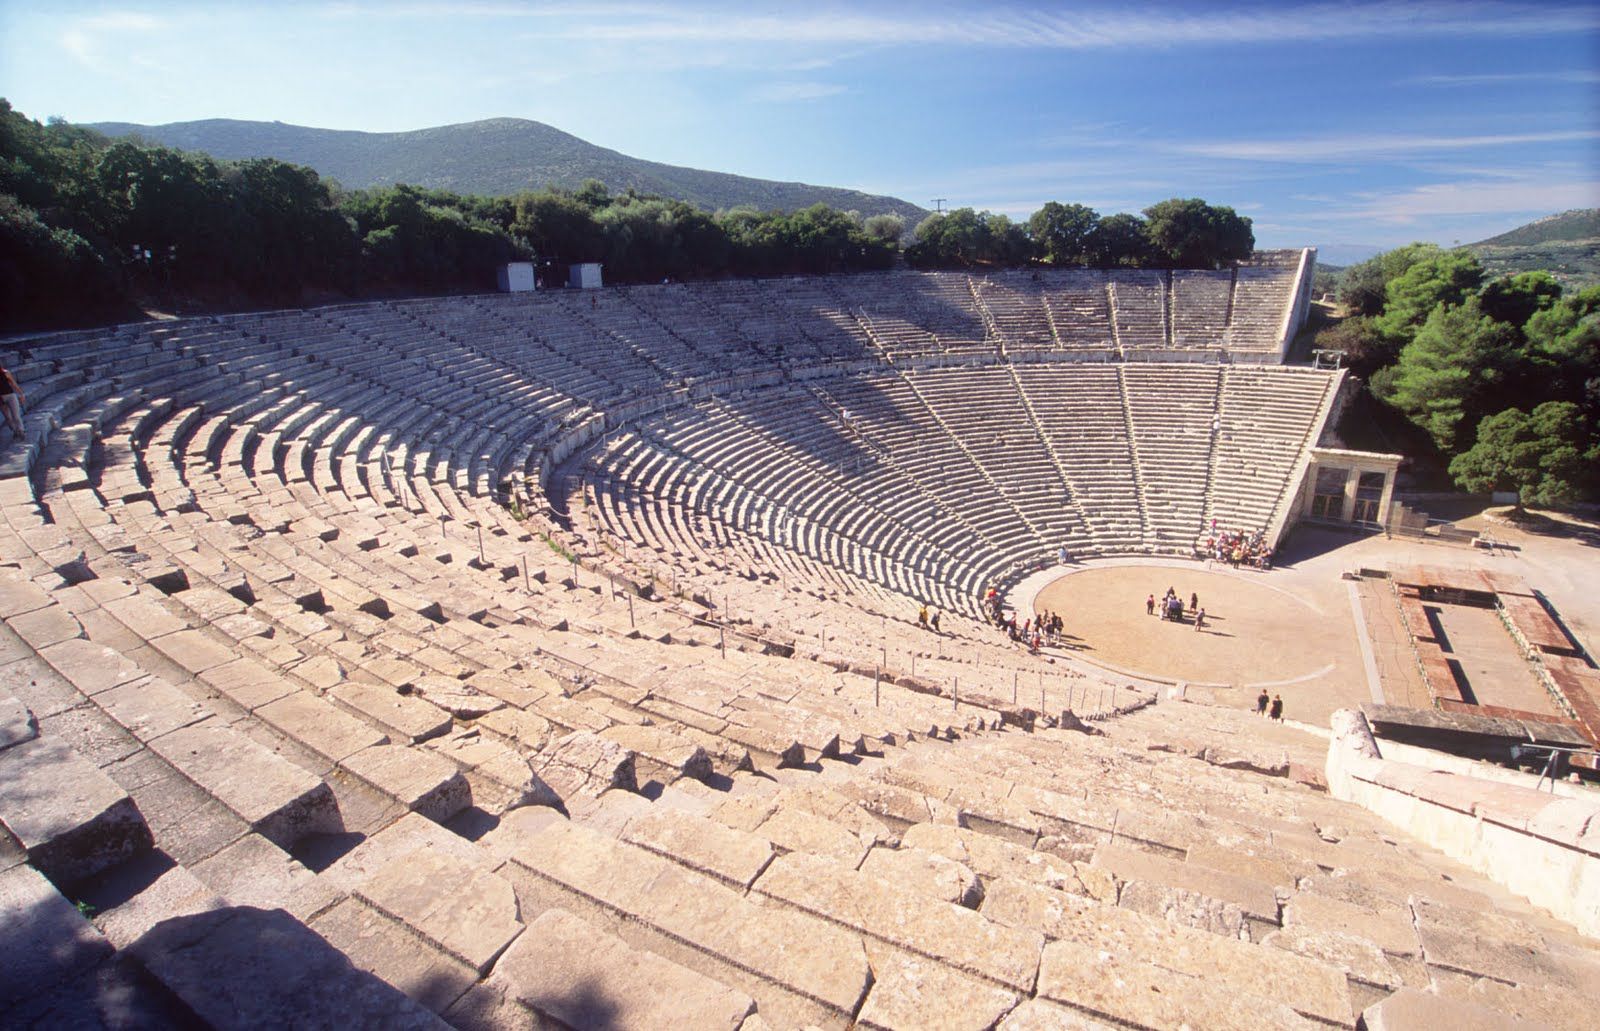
<point x="1349" y="126"/>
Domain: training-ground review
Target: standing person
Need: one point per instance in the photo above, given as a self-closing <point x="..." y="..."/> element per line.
<point x="1277" y="708"/>
<point x="1199" y="619"/>
<point x="922" y="617"/>
<point x="1150" y="605"/>
<point x="11" y="399"/>
<point x="934" y="622"/>
<point x="1194" y="600"/>
<point x="1261" y="702"/>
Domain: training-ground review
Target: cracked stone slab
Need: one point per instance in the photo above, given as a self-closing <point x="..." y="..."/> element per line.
<point x="462" y="906"/>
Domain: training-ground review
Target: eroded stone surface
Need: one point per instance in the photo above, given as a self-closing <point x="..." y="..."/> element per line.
<point x="583" y="976"/>
<point x="16" y="723"/>
<point x="277" y="798"/>
<point x="469" y="911"/>
<point x="728" y="854"/>
<point x="422" y="781"/>
<point x="72" y="819"/>
<point x="927" y="873"/>
<point x="242" y="967"/>
<point x="911" y="991"/>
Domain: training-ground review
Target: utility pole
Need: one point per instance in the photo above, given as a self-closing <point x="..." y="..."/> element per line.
<point x="938" y="204"/>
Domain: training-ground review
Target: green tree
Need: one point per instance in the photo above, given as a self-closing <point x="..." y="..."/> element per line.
<point x="1189" y="233"/>
<point x="1062" y="232"/>
<point x="1363" y="287"/>
<point x="1456" y="366"/>
<point x="1515" y="299"/>
<point x="1119" y="240"/>
<point x="1548" y="457"/>
<point x="1448" y="277"/>
<point x="886" y="228"/>
<point x="1365" y="349"/>
<point x="558" y="225"/>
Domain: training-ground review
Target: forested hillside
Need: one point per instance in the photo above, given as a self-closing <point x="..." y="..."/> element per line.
<point x="496" y="157"/>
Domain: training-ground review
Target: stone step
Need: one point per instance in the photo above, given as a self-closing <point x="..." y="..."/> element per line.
<point x="44" y="939"/>
<point x="943" y="932"/>
<point x="72" y="820"/>
<point x="243" y="967"/>
<point x="273" y="796"/>
<point x="791" y="963"/>
<point x="567" y="969"/>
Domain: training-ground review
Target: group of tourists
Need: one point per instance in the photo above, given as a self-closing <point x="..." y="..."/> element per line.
<point x="1238" y="548"/>
<point x="926" y="621"/>
<point x="1170" y="607"/>
<point x="1032" y="633"/>
<point x="1272" y="709"/>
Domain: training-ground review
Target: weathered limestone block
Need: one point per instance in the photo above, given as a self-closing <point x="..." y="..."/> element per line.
<point x="592" y="763"/>
<point x="275" y="797"/>
<point x="73" y="820"/>
<point x="701" y="844"/>
<point x="377" y="943"/>
<point x="1044" y="1015"/>
<point x="927" y="873"/>
<point x="16" y="723"/>
<point x="320" y="725"/>
<point x="1191" y="909"/>
<point x="150" y="707"/>
<point x="1118" y="987"/>
<point x="1315" y="989"/>
<point x="1409" y="1008"/>
<point x="251" y="968"/>
<point x="911" y="991"/>
<point x="683" y="758"/>
<point x="90" y="667"/>
<point x="462" y="906"/>
<point x="410" y="719"/>
<point x="943" y="931"/>
<point x="809" y="957"/>
<point x="43" y="937"/>
<point x="420" y="780"/>
<point x="581" y="975"/>
<point x="991" y="857"/>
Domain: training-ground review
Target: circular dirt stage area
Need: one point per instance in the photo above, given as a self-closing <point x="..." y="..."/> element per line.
<point x="1255" y="634"/>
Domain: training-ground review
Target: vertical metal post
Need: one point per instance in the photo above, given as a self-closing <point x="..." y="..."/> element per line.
<point x="574" y="572"/>
<point x="877" y="676"/>
<point x="527" y="581"/>
<point x="722" y="638"/>
<point x="955" y="694"/>
<point x="1014" y="675"/>
<point x="481" y="560"/>
<point x="630" y="610"/>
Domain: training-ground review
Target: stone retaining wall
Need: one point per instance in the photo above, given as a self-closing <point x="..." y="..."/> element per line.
<point x="1544" y="847"/>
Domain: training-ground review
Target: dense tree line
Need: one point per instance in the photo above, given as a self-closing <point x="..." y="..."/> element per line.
<point x="87" y="224"/>
<point x="1503" y="376"/>
<point x="1176" y="233"/>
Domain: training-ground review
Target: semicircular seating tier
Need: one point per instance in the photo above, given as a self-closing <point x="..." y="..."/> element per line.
<point x="287" y="665"/>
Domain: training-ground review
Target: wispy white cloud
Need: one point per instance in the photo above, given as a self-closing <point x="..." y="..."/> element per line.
<point x="87" y="40"/>
<point x="1089" y="28"/>
<point x="1369" y="145"/>
<point x="1578" y="76"/>
<point x="1438" y="200"/>
<point x="789" y="92"/>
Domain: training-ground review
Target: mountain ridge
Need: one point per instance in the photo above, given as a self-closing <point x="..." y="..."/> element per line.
<point x="492" y="157"/>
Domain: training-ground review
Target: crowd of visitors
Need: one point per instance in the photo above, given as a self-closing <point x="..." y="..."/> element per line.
<point x="1033" y="632"/>
<point x="1237" y="548"/>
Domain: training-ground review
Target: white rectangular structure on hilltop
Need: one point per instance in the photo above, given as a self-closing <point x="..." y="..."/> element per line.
<point x="516" y="277"/>
<point x="585" y="276"/>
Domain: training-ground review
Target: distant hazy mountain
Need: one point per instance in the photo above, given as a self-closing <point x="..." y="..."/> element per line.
<point x="494" y="157"/>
